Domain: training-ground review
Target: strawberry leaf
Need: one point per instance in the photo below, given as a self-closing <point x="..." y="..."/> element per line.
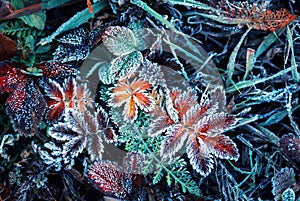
<point x="119" y="40"/>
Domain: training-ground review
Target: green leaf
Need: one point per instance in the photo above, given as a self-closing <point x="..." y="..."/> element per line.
<point x="288" y="195"/>
<point x="119" y="40"/>
<point x="75" y="21"/>
<point x="127" y="64"/>
<point x="158" y="174"/>
<point x="36" y="20"/>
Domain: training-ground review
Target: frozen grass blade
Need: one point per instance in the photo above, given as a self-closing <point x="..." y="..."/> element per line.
<point x="277" y="117"/>
<point x="194" y="4"/>
<point x="251" y="83"/>
<point x="221" y="19"/>
<point x="152" y="12"/>
<point x="269" y="134"/>
<point x="269" y="40"/>
<point x="75" y="21"/>
<point x="232" y="59"/>
<point x="293" y="59"/>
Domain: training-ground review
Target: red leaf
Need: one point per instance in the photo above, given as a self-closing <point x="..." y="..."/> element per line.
<point x="199" y="155"/>
<point x="110" y="179"/>
<point x="26" y="107"/>
<point x="10" y="77"/>
<point x="222" y="147"/>
<point x="8" y="47"/>
<point x="106" y="125"/>
<point x="201" y="124"/>
<point x="55" y="100"/>
<point x="71" y="95"/>
<point x="25" y="104"/>
<point x="175" y="137"/>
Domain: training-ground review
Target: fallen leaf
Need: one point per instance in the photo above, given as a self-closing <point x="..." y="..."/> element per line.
<point x="8" y="47"/>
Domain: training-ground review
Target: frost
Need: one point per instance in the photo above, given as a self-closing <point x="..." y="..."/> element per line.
<point x="200" y="125"/>
<point x="119" y="40"/>
<point x="79" y="131"/>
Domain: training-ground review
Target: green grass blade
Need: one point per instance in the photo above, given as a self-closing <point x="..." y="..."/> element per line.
<point x="269" y="40"/>
<point x="232" y="59"/>
<point x="75" y="21"/>
<point x="249" y="83"/>
<point x="294" y="65"/>
<point x="155" y="14"/>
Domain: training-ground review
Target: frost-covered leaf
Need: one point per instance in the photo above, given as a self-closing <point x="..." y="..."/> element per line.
<point x="26" y="107"/>
<point x="222" y="147"/>
<point x="54" y="69"/>
<point x="175" y="137"/>
<point x="283" y="180"/>
<point x="152" y="72"/>
<point x="51" y="157"/>
<point x="288" y="195"/>
<point x="109" y="179"/>
<point x="79" y="130"/>
<point x="133" y="95"/>
<point x="106" y="124"/>
<point x="67" y="53"/>
<point x="75" y="37"/>
<point x="290" y="145"/>
<point x="11" y="76"/>
<point x="105" y="76"/>
<point x="123" y="66"/>
<point x="199" y="155"/>
<point x="74" y="47"/>
<point x="119" y="40"/>
<point x="201" y="124"/>
<point x="71" y="95"/>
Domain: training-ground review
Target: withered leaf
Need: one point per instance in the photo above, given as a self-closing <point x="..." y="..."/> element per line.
<point x="8" y="47"/>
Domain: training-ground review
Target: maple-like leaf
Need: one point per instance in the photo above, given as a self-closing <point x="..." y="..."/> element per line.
<point x="133" y="95"/>
<point x="110" y="179"/>
<point x="83" y="130"/>
<point x="71" y="95"/>
<point x="199" y="127"/>
<point x="25" y="104"/>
